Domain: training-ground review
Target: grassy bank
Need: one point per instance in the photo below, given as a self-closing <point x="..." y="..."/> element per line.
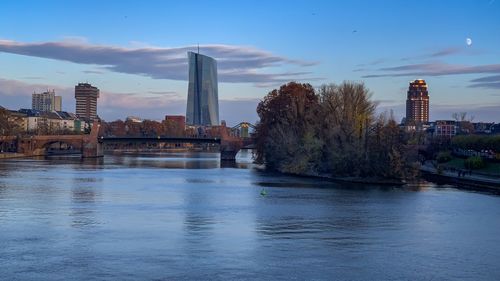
<point x="491" y="168"/>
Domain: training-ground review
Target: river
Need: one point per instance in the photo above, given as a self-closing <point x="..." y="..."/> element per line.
<point x="180" y="216"/>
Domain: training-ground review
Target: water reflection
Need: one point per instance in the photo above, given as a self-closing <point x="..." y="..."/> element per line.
<point x="83" y="199"/>
<point x="197" y="224"/>
<point x="180" y="216"/>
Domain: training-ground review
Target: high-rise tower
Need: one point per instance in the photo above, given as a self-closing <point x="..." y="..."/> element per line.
<point x="203" y="99"/>
<point x="417" y="103"/>
<point x="86" y="101"/>
<point x="46" y="101"/>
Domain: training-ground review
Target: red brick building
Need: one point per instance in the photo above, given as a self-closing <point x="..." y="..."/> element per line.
<point x="179" y="120"/>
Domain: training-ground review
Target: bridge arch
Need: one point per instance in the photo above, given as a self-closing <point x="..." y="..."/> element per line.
<point x="64" y="145"/>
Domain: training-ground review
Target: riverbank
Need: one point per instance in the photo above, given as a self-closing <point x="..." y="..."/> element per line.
<point x="360" y="180"/>
<point x="428" y="172"/>
<point x="10" y="155"/>
<point x="475" y="181"/>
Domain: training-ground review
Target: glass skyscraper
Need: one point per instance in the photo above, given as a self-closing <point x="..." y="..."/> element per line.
<point x="203" y="98"/>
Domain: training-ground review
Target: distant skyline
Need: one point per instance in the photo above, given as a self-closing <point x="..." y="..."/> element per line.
<point x="136" y="52"/>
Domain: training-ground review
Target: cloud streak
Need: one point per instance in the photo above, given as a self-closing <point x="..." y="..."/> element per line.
<point x="488" y="82"/>
<point x="434" y="69"/>
<point x="236" y="64"/>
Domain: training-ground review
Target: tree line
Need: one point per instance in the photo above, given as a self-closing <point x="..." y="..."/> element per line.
<point x="333" y="130"/>
<point x="477" y="142"/>
<point x="146" y="128"/>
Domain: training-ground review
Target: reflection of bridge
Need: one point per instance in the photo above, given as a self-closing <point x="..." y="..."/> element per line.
<point x="92" y="145"/>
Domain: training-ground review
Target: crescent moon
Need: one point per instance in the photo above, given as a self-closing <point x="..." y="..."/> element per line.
<point x="468" y="41"/>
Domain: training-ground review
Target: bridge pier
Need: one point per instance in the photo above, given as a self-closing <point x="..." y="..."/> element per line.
<point x="228" y="155"/>
<point x="92" y="149"/>
<point x="229" y="148"/>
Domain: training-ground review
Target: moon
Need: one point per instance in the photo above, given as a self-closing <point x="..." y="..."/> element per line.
<point x="468" y="41"/>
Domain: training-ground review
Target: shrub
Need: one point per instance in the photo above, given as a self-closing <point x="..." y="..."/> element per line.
<point x="474" y="162"/>
<point x="439" y="170"/>
<point x="443" y="157"/>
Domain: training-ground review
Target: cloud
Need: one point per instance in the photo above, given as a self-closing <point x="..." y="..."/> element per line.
<point x="488" y="82"/>
<point x="495" y="85"/>
<point x="446" y="52"/>
<point x="111" y="106"/>
<point x="164" y="93"/>
<point x="430" y="55"/>
<point x="495" y="78"/>
<point x="93" y="72"/>
<point x="15" y="94"/>
<point x="374" y="62"/>
<point x="236" y="64"/>
<point x="15" y="88"/>
<point x="32" y="77"/>
<point x="434" y="69"/>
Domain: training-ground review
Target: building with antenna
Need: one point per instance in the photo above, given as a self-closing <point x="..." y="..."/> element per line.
<point x="203" y="99"/>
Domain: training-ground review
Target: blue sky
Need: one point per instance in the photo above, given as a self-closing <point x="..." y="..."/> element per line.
<point x="135" y="51"/>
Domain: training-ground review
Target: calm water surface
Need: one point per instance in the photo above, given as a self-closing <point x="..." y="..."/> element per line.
<point x="182" y="216"/>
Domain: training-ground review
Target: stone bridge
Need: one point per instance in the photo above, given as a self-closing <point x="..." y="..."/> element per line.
<point x="228" y="145"/>
<point x="89" y="145"/>
<point x="92" y="145"/>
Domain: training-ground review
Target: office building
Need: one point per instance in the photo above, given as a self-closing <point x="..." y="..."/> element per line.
<point x="203" y="100"/>
<point x="417" y="103"/>
<point x="46" y="101"/>
<point x="86" y="97"/>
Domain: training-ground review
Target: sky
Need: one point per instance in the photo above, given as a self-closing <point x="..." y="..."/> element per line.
<point x="135" y="52"/>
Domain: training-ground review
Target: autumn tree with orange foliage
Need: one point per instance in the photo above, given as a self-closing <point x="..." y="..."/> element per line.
<point x="333" y="132"/>
<point x="146" y="128"/>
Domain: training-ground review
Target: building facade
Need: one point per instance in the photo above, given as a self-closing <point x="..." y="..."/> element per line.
<point x="445" y="128"/>
<point x="417" y="103"/>
<point x="178" y="120"/>
<point x="86" y="97"/>
<point x="203" y="99"/>
<point x="57" y="103"/>
<point x="46" y="101"/>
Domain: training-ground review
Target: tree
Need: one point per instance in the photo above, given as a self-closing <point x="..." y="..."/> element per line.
<point x="287" y="135"/>
<point x="332" y="132"/>
<point x="8" y="125"/>
<point x="347" y="115"/>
